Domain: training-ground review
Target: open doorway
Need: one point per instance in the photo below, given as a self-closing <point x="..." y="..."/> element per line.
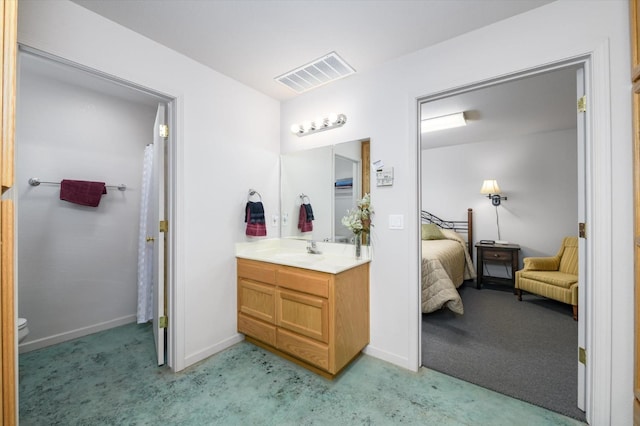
<point x="77" y="264"/>
<point x="523" y="132"/>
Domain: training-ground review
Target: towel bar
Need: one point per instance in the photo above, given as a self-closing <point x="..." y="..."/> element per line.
<point x="36" y="182"/>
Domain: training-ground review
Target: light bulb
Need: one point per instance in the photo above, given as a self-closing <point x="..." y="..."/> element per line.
<point x="333" y="118"/>
<point x="295" y="128"/>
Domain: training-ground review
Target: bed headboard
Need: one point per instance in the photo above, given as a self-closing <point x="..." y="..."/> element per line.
<point x="459" y="226"/>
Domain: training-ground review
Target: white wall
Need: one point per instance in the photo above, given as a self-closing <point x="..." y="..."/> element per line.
<point x="76" y="265"/>
<point x="537" y="173"/>
<point x="381" y="104"/>
<point x="219" y="157"/>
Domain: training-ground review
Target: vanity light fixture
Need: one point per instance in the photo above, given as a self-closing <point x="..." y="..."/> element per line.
<point x="443" y="122"/>
<point x="491" y="189"/>
<point x="320" y="124"/>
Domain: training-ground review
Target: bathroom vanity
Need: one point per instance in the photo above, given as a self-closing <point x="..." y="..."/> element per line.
<point x="311" y="309"/>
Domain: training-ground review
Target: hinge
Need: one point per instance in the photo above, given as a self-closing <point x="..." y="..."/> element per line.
<point x="582" y="355"/>
<point x="582" y="104"/>
<point x="163" y="322"/>
<point x="164" y="226"/>
<point x="582" y="230"/>
<point x="164" y="131"/>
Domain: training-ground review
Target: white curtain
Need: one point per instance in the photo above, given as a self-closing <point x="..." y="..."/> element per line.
<point x="145" y="250"/>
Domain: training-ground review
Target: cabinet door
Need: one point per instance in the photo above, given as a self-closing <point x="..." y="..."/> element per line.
<point x="257" y="329"/>
<point x="303" y="314"/>
<point x="256" y="300"/>
<point x="306" y="349"/>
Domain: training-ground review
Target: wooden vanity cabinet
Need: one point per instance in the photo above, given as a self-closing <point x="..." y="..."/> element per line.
<point x="316" y="319"/>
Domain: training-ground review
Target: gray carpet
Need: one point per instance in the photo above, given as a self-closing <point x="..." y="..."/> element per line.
<point x="526" y="349"/>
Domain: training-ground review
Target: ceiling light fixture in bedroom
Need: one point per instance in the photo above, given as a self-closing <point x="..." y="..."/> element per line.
<point x="443" y="122"/>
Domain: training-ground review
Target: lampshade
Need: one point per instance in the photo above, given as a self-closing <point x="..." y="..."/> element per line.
<point x="490" y="186"/>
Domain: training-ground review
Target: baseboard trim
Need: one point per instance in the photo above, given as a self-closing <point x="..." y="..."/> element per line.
<point x="212" y="350"/>
<point x="388" y="357"/>
<point x="32" y="345"/>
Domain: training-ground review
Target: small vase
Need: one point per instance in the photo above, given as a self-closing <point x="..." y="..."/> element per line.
<point x="358" y="241"/>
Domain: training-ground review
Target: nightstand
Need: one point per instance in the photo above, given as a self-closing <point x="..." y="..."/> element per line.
<point x="506" y="254"/>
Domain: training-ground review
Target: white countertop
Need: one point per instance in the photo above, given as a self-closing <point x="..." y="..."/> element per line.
<point x="333" y="258"/>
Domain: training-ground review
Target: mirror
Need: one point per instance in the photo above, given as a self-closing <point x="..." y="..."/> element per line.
<point x="331" y="179"/>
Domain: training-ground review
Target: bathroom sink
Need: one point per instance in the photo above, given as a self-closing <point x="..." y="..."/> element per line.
<point x="299" y="257"/>
<point x="334" y="258"/>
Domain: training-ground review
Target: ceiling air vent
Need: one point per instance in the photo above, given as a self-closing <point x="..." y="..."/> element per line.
<point x="323" y="70"/>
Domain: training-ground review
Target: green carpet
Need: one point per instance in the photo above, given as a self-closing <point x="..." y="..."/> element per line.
<point x="109" y="378"/>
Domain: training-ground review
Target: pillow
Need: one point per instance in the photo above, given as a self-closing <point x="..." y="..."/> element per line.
<point x="430" y="231"/>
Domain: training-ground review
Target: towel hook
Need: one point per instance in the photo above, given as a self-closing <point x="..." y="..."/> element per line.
<point x="253" y="192"/>
<point x="303" y="196"/>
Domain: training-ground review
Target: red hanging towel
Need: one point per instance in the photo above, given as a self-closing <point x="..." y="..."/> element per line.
<point x="82" y="192"/>
<point x="254" y="216"/>
<point x="304" y="224"/>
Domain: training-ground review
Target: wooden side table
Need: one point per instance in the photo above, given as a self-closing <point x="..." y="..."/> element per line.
<point x="507" y="254"/>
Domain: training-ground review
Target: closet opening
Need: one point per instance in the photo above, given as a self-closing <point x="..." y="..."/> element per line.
<point x="84" y="268"/>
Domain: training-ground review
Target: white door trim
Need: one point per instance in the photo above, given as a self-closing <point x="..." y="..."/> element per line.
<point x="599" y="238"/>
<point x="174" y="105"/>
<point x="598" y="310"/>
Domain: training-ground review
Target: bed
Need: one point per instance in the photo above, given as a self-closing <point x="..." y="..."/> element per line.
<point x="446" y="261"/>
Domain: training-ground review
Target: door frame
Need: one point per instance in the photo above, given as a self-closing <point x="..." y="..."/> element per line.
<point x="597" y="312"/>
<point x="171" y="103"/>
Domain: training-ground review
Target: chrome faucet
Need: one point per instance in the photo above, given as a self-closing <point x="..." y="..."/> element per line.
<point x="312" y="248"/>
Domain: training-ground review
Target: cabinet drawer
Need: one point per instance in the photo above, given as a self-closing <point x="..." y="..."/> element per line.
<point x="257" y="300"/>
<point x="306" y="281"/>
<point x="306" y="349"/>
<point x="498" y="255"/>
<point x="257" y="329"/>
<point x="259" y="271"/>
<point x="303" y="314"/>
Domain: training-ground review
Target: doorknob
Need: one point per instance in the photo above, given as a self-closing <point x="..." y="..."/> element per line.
<point x="150" y="239"/>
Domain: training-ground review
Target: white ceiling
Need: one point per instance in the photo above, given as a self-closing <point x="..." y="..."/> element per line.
<point x="540" y="103"/>
<point x="254" y="41"/>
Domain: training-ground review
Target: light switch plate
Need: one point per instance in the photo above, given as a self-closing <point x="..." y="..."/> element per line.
<point x="396" y="221"/>
<point x="274" y="220"/>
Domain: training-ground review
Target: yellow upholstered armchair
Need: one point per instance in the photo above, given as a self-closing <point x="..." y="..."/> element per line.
<point x="553" y="277"/>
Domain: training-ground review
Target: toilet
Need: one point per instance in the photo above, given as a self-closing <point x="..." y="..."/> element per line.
<point x="23" y="330"/>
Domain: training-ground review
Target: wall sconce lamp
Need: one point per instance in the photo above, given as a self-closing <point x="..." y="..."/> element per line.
<point x="319" y="124"/>
<point x="492" y="190"/>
